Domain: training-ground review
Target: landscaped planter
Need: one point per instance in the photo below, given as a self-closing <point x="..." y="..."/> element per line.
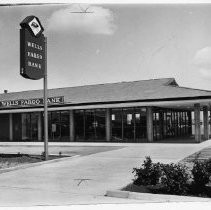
<point x="142" y="188"/>
<point x="172" y="179"/>
<point x="158" y="189"/>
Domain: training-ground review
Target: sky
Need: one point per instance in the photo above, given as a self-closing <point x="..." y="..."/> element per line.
<point x="113" y="43"/>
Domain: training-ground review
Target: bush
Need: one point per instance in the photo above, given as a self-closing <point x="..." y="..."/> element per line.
<point x="135" y="188"/>
<point x="201" y="172"/>
<point x="171" y="178"/>
<point x="148" y="174"/>
<point x="174" y="179"/>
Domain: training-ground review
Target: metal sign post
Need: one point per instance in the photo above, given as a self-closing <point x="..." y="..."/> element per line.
<point x="45" y="104"/>
<point x="33" y="61"/>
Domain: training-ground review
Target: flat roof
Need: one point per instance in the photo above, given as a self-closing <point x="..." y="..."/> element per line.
<point x="143" y="90"/>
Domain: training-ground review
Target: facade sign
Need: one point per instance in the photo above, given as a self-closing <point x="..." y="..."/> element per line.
<point x="31" y="102"/>
<point x="32" y="49"/>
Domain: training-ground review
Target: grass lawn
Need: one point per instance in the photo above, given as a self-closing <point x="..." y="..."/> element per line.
<point x="12" y="160"/>
<point x="12" y="156"/>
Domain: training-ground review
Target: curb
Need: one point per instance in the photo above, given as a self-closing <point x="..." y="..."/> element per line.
<point x="154" y="197"/>
<point x="117" y="193"/>
<point x="29" y="165"/>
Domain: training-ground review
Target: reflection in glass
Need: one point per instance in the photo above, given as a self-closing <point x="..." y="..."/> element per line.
<point x="79" y="125"/>
<point x="65" y="125"/>
<point x="58" y="125"/>
<point x="4" y="127"/>
<point x="141" y="124"/>
<point x="30" y="126"/>
<point x="117" y="125"/>
<point x="90" y="125"/>
<point x="129" y="124"/>
<point x="174" y="123"/>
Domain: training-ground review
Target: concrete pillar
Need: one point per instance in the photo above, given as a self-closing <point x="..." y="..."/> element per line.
<point x="10" y="127"/>
<point x="108" y="125"/>
<point x="209" y="120"/>
<point x="189" y="123"/>
<point x="206" y="123"/>
<point x="197" y="122"/>
<point x="72" y="126"/>
<point x="149" y="124"/>
<point x="161" y="121"/>
<point x="39" y="126"/>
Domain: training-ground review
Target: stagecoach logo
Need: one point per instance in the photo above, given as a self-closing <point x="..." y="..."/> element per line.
<point x="31" y="102"/>
<point x="35" y="26"/>
<point x="32" y="49"/>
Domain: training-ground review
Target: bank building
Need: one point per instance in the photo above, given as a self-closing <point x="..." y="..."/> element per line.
<point x="140" y="111"/>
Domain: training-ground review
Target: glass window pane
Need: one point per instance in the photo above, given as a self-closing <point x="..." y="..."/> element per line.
<point x="140" y="124"/>
<point x="117" y="125"/>
<point x="137" y="116"/>
<point x="90" y="124"/>
<point x="79" y="125"/>
<point x="4" y="127"/>
<point x="55" y="125"/>
<point x="128" y="124"/>
<point x="113" y="117"/>
<point x="17" y="125"/>
<point x="100" y="124"/>
<point x="129" y="119"/>
<point x="65" y="125"/>
<point x="34" y="126"/>
<point x="26" y="127"/>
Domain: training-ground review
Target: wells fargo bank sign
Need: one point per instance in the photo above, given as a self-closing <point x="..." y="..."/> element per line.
<point x="31" y="102"/>
<point x="32" y="49"/>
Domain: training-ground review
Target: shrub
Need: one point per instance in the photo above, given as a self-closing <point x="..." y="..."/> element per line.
<point x="174" y="179"/>
<point x="148" y="174"/>
<point x="171" y="178"/>
<point x="201" y="172"/>
<point x="135" y="188"/>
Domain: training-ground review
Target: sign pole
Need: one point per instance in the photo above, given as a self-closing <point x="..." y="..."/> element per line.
<point x="33" y="61"/>
<point x="45" y="105"/>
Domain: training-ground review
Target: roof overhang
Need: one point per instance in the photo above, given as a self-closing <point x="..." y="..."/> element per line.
<point x="172" y="104"/>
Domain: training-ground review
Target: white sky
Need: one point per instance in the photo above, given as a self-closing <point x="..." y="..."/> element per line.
<point x="117" y="42"/>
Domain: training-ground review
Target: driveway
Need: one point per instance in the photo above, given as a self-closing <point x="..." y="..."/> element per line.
<point x="85" y="179"/>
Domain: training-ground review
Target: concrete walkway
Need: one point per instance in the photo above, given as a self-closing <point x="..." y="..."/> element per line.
<point x="85" y="180"/>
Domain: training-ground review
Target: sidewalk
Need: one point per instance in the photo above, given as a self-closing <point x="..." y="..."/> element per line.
<point x="84" y="180"/>
<point x="38" y="143"/>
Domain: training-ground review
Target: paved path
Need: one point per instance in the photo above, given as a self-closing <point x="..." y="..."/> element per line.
<point x="85" y="180"/>
<point x="203" y="154"/>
